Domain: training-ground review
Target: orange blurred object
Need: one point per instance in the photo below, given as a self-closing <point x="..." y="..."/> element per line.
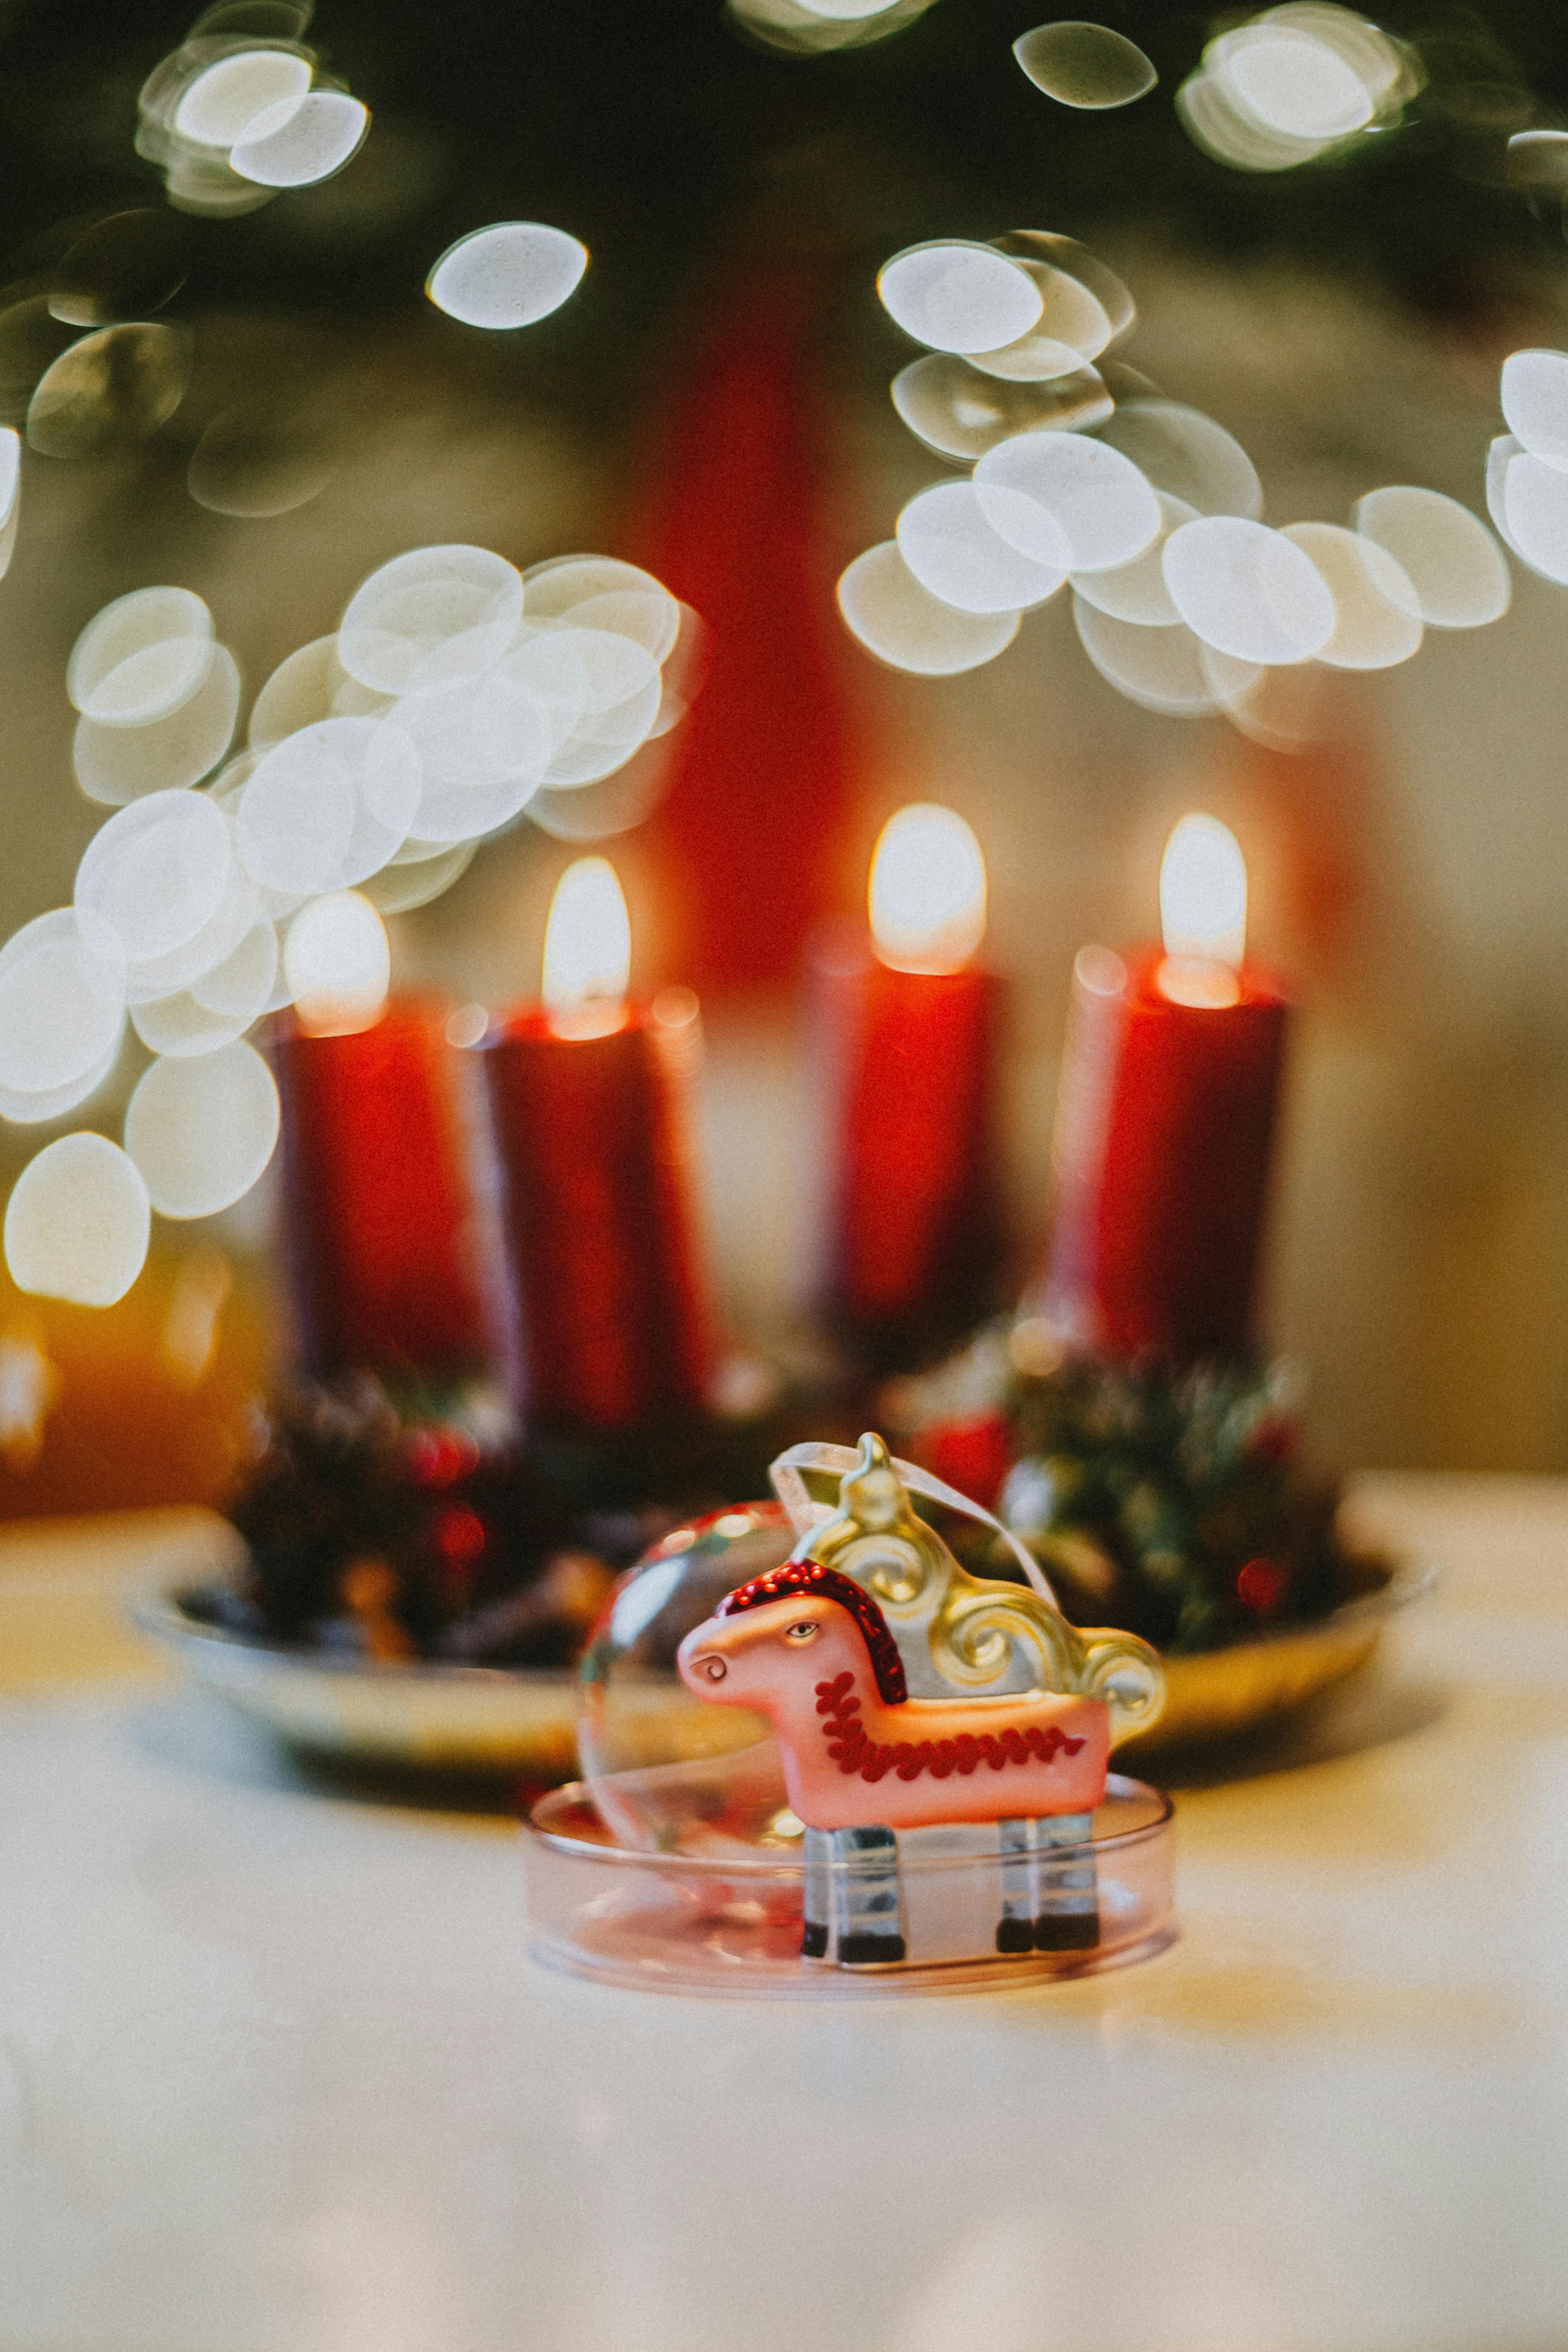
<point x="153" y="1401"/>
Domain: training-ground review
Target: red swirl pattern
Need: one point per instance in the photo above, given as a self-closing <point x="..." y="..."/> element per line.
<point x="854" y="1750"/>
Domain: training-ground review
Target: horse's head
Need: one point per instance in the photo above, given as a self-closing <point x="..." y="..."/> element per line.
<point x="770" y="1642"/>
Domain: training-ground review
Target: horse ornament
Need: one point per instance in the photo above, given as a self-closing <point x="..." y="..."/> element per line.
<point x="913" y="1700"/>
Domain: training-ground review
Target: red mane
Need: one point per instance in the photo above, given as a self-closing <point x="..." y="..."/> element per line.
<point x="809" y="1576"/>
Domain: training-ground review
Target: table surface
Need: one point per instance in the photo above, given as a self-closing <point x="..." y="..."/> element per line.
<point x="277" y="2076"/>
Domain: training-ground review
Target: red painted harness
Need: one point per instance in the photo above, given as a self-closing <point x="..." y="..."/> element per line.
<point x="854" y="1750"/>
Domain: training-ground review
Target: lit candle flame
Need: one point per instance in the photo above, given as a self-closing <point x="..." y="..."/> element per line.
<point x="1203" y="914"/>
<point x="338" y="964"/>
<point x="927" y="891"/>
<point x="588" y="951"/>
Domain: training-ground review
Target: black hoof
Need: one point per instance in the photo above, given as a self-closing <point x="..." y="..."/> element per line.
<point x="1014" y="1936"/>
<point x="1066" y="1931"/>
<point x="812" y="1941"/>
<point x="869" y="1951"/>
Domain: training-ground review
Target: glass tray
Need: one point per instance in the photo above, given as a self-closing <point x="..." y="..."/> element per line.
<point x="720" y="1910"/>
<point x="501" y="1722"/>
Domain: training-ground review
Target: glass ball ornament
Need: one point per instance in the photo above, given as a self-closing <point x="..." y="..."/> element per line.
<point x="680" y="1865"/>
<point x="666" y="1773"/>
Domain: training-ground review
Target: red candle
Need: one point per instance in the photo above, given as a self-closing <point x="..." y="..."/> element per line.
<point x="907" y="1039"/>
<point x="591" y="1106"/>
<point x="1165" y="1125"/>
<point x="381" y="1229"/>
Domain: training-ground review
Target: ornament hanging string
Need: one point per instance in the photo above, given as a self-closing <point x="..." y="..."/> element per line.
<point x="787" y="1477"/>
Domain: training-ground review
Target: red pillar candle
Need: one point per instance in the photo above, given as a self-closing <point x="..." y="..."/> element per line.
<point x="380" y="1225"/>
<point x="738" y="518"/>
<point x="908" y="1038"/>
<point x="591" y="1110"/>
<point x="1165" y="1124"/>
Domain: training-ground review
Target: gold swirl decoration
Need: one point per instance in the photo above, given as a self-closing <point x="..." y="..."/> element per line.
<point x="976" y="1624"/>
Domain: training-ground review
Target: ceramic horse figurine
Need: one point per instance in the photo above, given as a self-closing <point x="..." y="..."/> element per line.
<point x="809" y="1647"/>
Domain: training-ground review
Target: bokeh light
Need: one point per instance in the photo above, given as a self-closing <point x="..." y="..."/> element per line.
<point x="1451" y="560"/>
<point x="117" y="386"/>
<point x="602" y="741"/>
<point x="62" y="1008"/>
<point x="1535" y="502"/>
<point x="153" y="875"/>
<point x="1297" y="82"/>
<point x="140" y="657"/>
<point x="10" y="474"/>
<point x="1188" y="454"/>
<point x="952" y="549"/>
<point x="1041" y="488"/>
<point x="78" y="1222"/>
<point x="124" y="266"/>
<point x="810" y="27"/>
<point x="117" y="764"/>
<point x="430" y="619"/>
<point x="397" y="889"/>
<point x="243" y="984"/>
<point x="1247" y="591"/>
<point x="294" y="144"/>
<point x="961" y="414"/>
<point x="1538" y="162"/>
<point x="182" y="1027"/>
<point x="906" y="626"/>
<point x="1284" y="705"/>
<point x="1535" y="402"/>
<point x="181" y="967"/>
<point x="1136" y="590"/>
<point x="200" y="1132"/>
<point x="1292" y="83"/>
<point x="1069" y="310"/>
<point x="299" y="692"/>
<point x="259" y="458"/>
<point x="1082" y="64"/>
<point x="958" y="297"/>
<point x="329" y="805"/>
<point x="1160" y="668"/>
<point x="219" y="106"/>
<point x="1377" y="621"/>
<point x="508" y="275"/>
<point x="482" y="753"/>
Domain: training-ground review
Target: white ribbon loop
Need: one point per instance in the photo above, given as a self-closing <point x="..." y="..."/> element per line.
<point x="788" y="1480"/>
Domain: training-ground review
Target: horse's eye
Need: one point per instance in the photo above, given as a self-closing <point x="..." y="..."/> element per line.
<point x="804" y="1632"/>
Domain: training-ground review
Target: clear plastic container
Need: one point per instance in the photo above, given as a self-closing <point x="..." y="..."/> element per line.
<point x="721" y="1908"/>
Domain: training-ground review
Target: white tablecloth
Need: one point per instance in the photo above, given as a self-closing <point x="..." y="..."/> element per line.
<point x="277" y="2076"/>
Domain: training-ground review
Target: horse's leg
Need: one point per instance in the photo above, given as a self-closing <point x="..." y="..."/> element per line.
<point x="1015" y="1928"/>
<point x="1068" y="1916"/>
<point x="818" y="1895"/>
<point x="870" y="1916"/>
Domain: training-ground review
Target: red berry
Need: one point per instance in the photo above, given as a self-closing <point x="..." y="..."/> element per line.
<point x="1260" y="1585"/>
<point x="459" y="1536"/>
